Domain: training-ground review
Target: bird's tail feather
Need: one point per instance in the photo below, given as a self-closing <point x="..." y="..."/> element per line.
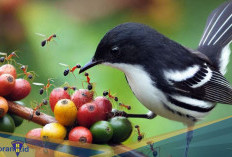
<point x="217" y="36"/>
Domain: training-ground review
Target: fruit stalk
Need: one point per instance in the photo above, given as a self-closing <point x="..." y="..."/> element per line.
<point x="26" y="113"/>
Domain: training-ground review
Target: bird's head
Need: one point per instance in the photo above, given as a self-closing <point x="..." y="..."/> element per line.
<point x="123" y="44"/>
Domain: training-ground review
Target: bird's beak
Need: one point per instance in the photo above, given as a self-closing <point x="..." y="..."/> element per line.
<point x="87" y="66"/>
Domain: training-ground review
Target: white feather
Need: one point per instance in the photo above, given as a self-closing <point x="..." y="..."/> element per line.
<point x="205" y="80"/>
<point x="224" y="59"/>
<point x="191" y="101"/>
<point x="181" y="75"/>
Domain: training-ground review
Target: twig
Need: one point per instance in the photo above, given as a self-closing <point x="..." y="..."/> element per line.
<point x="27" y="113"/>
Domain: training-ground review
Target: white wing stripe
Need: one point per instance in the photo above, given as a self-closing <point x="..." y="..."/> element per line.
<point x="181" y="75"/>
<point x="220" y="29"/>
<point x="192" y="102"/>
<point x="215" y="23"/>
<point x="205" y="80"/>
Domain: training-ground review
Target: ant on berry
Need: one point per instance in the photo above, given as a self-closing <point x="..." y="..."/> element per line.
<point x="9" y="57"/>
<point x="45" y="87"/>
<point x="140" y="135"/>
<point x="44" y="42"/>
<point x="69" y="69"/>
<point x="30" y="75"/>
<point x="90" y="85"/>
<point x="36" y="110"/>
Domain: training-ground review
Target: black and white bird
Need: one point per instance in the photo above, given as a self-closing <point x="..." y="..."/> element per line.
<point x="169" y="79"/>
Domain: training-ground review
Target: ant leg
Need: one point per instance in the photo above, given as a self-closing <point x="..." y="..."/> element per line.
<point x="82" y="85"/>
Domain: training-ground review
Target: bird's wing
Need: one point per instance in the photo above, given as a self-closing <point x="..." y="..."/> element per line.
<point x="201" y="82"/>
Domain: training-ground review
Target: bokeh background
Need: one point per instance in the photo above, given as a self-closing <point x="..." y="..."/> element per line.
<point x="79" y="26"/>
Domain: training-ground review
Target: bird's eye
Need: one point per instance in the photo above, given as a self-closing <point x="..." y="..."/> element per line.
<point x="115" y="50"/>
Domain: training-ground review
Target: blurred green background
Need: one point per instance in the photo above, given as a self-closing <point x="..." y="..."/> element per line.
<point x="79" y="26"/>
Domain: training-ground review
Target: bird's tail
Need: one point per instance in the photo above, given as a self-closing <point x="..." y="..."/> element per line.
<point x="217" y="36"/>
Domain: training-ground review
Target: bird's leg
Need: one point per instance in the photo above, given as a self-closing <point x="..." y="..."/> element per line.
<point x="189" y="137"/>
<point x="149" y="115"/>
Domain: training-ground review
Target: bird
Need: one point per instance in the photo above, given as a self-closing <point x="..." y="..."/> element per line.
<point x="171" y="80"/>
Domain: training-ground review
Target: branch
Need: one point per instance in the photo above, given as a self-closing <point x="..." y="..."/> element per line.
<point x="28" y="114"/>
<point x="43" y="119"/>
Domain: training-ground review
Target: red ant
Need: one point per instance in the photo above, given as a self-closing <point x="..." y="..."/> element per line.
<point x="36" y="109"/>
<point x="30" y="74"/>
<point x="105" y="93"/>
<point x="140" y="136"/>
<point x="66" y="71"/>
<point x="66" y="86"/>
<point x="43" y="43"/>
<point x="90" y="86"/>
<point x="125" y="106"/>
<point x="46" y="87"/>
<point x="7" y="58"/>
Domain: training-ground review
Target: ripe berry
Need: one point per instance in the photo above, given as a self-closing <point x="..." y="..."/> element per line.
<point x="22" y="88"/>
<point x="7" y="83"/>
<point x="81" y="97"/>
<point x="56" y="95"/>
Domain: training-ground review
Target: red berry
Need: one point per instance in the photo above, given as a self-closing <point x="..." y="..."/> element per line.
<point x="81" y="135"/>
<point x="81" y="97"/>
<point x="56" y="95"/>
<point x="22" y="89"/>
<point x="88" y="114"/>
<point x="7" y="83"/>
<point x="104" y="104"/>
<point x="33" y="134"/>
<point x="8" y="69"/>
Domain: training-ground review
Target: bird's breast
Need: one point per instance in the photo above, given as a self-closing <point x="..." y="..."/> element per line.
<point x="142" y="86"/>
